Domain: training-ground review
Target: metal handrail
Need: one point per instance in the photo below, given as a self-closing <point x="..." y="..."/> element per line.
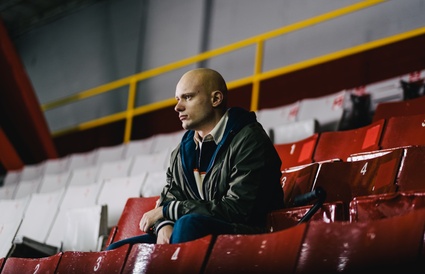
<point x="255" y="79"/>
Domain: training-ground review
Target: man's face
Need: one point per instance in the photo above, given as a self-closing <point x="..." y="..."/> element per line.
<point x="194" y="104"/>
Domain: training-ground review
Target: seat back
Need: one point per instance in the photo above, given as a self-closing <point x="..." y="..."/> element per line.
<point x="32" y="265"/>
<point x="341" y="144"/>
<point x="184" y="258"/>
<point x="364" y="209"/>
<point x="391" y="245"/>
<point x="128" y="223"/>
<point x="274" y="252"/>
<point x="115" y="193"/>
<point x="297" y="181"/>
<point x="343" y="181"/>
<point x="157" y="161"/>
<point x="404" y="131"/>
<point x="111" y="261"/>
<point x="293" y="132"/>
<point x="328" y="110"/>
<point x="40" y="215"/>
<point x="276" y="116"/>
<point x="412" y="171"/>
<point x="400" y="108"/>
<point x="297" y="153"/>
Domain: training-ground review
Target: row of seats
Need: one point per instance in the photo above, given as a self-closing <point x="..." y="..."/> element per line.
<point x="346" y="109"/>
<point x="153" y="145"/>
<point x="388" y="177"/>
<point x="285" y="124"/>
<point x="46" y="213"/>
<point x="106" y="159"/>
<point x="388" y="245"/>
<point x="396" y="131"/>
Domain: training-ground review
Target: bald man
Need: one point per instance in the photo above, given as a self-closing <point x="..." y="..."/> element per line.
<point x="224" y="176"/>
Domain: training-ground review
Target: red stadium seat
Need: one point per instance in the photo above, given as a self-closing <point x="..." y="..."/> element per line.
<point x="111" y="261"/>
<point x="391" y="245"/>
<point x="297" y="181"/>
<point x="339" y="145"/>
<point x="343" y="181"/>
<point x="412" y="171"/>
<point x="128" y="224"/>
<point x="297" y="153"/>
<point x="400" y="108"/>
<point x="188" y="257"/>
<point x="31" y="265"/>
<point x="289" y="217"/>
<point x="274" y="252"/>
<point x="402" y="131"/>
<point x="363" y="209"/>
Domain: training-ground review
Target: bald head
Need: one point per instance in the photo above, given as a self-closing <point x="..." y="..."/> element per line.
<point x="205" y="80"/>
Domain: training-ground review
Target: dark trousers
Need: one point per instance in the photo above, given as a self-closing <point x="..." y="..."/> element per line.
<point x="187" y="228"/>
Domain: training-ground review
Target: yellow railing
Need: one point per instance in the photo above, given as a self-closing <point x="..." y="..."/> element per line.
<point x="257" y="76"/>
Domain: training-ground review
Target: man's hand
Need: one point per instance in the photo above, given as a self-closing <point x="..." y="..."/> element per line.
<point x="164" y="234"/>
<point x="149" y="219"/>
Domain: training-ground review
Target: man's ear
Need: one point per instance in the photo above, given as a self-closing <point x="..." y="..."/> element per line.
<point x="217" y="98"/>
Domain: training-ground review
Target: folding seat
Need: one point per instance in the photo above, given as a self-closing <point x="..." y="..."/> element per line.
<point x="74" y="197"/>
<point x="391" y="245"/>
<point x="328" y="110"/>
<point x="114" y="169"/>
<point x="297" y="181"/>
<point x="8" y="191"/>
<point x="111" y="261"/>
<point x="13" y="209"/>
<point x="167" y="141"/>
<point x="188" y="257"/>
<point x="343" y="181"/>
<point x="412" y="172"/>
<point x="137" y="147"/>
<point x="32" y="265"/>
<point x="116" y="191"/>
<point x="84" y="175"/>
<point x="274" y="252"/>
<point x="85" y="228"/>
<point x="7" y="236"/>
<point x="52" y="182"/>
<point x="56" y="166"/>
<point x="403" y="108"/>
<point x="293" y="132"/>
<point x="27" y="187"/>
<point x="374" y="207"/>
<point x="108" y="154"/>
<point x="153" y="184"/>
<point x="128" y="223"/>
<point x="339" y="145"/>
<point x="31" y="172"/>
<point x="82" y="159"/>
<point x="297" y="153"/>
<point x="157" y="161"/>
<point x="39" y="215"/>
<point x="272" y="117"/>
<point x="12" y="177"/>
<point x="385" y="91"/>
<point x="404" y="131"/>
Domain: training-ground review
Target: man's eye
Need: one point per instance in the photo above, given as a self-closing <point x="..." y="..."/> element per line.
<point x="188" y="97"/>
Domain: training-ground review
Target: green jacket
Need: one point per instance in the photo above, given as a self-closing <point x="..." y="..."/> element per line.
<point x="242" y="182"/>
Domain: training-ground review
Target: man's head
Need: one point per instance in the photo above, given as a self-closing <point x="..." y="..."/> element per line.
<point x="201" y="99"/>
